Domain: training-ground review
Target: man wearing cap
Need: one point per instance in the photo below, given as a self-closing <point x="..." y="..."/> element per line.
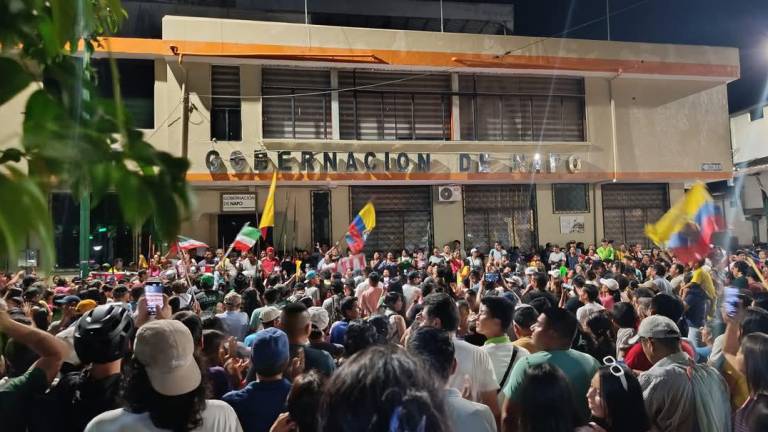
<point x="612" y="286"/>
<point x="312" y="289"/>
<point x="67" y="305"/>
<point x="271" y="296"/>
<point x="167" y="375"/>
<point x="269" y="262"/>
<point x="210" y="296"/>
<point x="268" y="318"/>
<point x="235" y="322"/>
<point x="675" y="386"/>
<point x="260" y="402"/>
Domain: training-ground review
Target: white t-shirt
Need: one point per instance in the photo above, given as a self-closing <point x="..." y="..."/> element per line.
<point x="217" y="416"/>
<point x="501" y="354"/>
<point x="408" y="292"/>
<point x="362" y="286"/>
<point x="473" y="362"/>
<point x="497" y="255"/>
<point x="556" y="257"/>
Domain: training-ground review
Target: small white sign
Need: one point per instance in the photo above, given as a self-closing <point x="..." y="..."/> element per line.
<point x="571" y="224"/>
<point x="238" y="202"/>
<point x="711" y="167"/>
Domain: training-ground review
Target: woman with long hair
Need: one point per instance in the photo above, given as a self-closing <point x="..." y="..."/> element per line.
<point x="394" y="307"/>
<point x="753" y="415"/>
<point x="615" y="400"/>
<point x="601" y="329"/>
<point x="164" y="387"/>
<point x="546" y="401"/>
<point x="382" y="389"/>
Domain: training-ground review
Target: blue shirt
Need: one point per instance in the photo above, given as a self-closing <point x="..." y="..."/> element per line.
<point x="259" y="403"/>
<point x="235" y="323"/>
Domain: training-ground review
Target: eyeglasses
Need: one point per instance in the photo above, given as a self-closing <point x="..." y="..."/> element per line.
<point x="616" y="370"/>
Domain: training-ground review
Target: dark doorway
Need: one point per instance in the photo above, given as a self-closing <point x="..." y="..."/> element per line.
<point x="230" y="225"/>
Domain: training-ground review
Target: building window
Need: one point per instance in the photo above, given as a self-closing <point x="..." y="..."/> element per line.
<point x="285" y="115"/>
<point x="570" y="198"/>
<point x="520" y="108"/>
<point x="504" y="213"/>
<point x="407" y="107"/>
<point x="225" y="110"/>
<point x="137" y="88"/>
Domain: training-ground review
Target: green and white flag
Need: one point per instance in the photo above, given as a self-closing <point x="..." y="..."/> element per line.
<point x="246" y="238"/>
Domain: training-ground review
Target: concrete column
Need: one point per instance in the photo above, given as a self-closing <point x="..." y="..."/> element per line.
<point x="448" y="220"/>
<point x="455" y="110"/>
<point x="335" y="128"/>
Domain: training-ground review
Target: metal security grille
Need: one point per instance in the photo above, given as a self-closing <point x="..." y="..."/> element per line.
<point x="403" y="216"/>
<point x="414" y="109"/>
<point x="627" y="208"/>
<point x="226" y="124"/>
<point x="520" y="108"/>
<point x="499" y="212"/>
<point x="304" y="117"/>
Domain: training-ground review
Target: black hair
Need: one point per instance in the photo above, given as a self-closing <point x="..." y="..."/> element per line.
<point x="761" y="300"/>
<point x="591" y="291"/>
<point x="435" y="348"/>
<point x="193" y="323"/>
<point x="540" y="280"/>
<point x="442" y="306"/>
<point x="562" y="322"/>
<point x="40" y="318"/>
<point x="347" y="304"/>
<point x="642" y="292"/>
<point x="177" y="413"/>
<point x="337" y="287"/>
<point x="624" y="314"/>
<point x="600" y="327"/>
<point x="381" y="324"/>
<point x="136" y="293"/>
<point x="755" y="321"/>
<point x="251" y="300"/>
<point x="578" y="281"/>
<point x="625" y="410"/>
<point x="665" y="305"/>
<point x="380" y="387"/>
<point x="499" y="308"/>
<point x="271" y="295"/>
<point x="680" y="268"/>
<point x="391" y="298"/>
<point x="659" y="269"/>
<point x="212" y="340"/>
<point x="212" y="322"/>
<point x="360" y="335"/>
<point x="525" y="316"/>
<point x="304" y="399"/>
<point x="742" y="267"/>
<point x="546" y="401"/>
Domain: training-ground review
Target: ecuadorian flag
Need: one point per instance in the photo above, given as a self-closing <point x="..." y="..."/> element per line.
<point x="687" y="227"/>
<point x="360" y="227"/>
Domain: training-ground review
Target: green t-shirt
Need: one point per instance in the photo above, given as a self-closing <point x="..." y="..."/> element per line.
<point x="16" y="396"/>
<point x="605" y="253"/>
<point x="577" y="366"/>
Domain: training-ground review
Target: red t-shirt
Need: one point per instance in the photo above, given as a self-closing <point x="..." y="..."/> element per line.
<point x="636" y="359"/>
<point x="268" y="265"/>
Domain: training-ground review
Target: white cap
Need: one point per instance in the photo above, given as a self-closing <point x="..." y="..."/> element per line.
<point x="531" y="271"/>
<point x="611" y="284"/>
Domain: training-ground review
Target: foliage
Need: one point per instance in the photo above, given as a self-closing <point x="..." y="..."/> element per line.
<point x="73" y="139"/>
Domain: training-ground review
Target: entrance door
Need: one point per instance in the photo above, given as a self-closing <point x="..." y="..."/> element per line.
<point x="628" y="208"/>
<point x="229" y="226"/>
<point x="504" y="213"/>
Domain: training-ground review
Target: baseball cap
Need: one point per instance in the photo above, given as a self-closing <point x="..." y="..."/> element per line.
<point x="269" y="350"/>
<point x="68" y="300"/>
<point x="270" y="249"/>
<point x="269" y="313"/>
<point x="84" y="306"/>
<point x="657" y="327"/>
<point x="473" y="250"/>
<point x="611" y="284"/>
<point x="554" y="273"/>
<point x="531" y="271"/>
<point x="319" y="317"/>
<point x="165" y="348"/>
<point x="311" y="274"/>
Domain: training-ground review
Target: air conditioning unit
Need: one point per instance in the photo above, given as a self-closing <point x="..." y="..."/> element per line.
<point x="449" y="193"/>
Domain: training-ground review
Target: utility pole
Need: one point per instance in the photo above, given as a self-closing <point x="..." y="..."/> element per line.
<point x="85" y="234"/>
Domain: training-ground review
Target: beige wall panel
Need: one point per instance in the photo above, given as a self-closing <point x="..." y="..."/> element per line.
<point x="448" y="218"/>
<point x="339" y="212"/>
<point x="549" y="222"/>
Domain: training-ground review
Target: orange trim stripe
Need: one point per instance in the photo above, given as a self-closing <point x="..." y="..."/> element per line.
<point x="456" y="177"/>
<point x="138" y="46"/>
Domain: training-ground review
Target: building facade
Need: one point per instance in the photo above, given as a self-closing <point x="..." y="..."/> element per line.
<point x="453" y="136"/>
<point x="746" y="200"/>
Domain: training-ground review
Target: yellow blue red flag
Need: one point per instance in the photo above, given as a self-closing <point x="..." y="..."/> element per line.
<point x="360" y="227"/>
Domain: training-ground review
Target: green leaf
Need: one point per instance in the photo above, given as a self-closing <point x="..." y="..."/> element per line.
<point x="15" y="79"/>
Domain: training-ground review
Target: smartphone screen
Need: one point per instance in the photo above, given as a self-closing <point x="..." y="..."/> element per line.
<point x="731" y="300"/>
<point x="154" y="294"/>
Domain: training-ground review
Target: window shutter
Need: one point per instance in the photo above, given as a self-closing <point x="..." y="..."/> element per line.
<point x="303" y="117"/>
<point x="417" y="107"/>
<point x="225" y="81"/>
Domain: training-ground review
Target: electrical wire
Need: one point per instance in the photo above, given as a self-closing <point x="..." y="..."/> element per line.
<point x="162" y="123"/>
<point x="436" y="72"/>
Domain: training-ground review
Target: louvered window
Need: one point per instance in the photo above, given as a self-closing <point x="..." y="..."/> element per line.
<point x="287" y="114"/>
<point x="520" y="108"/>
<point x="504" y="213"/>
<point x="627" y="208"/>
<point x="225" y="110"/>
<point x="394" y="106"/>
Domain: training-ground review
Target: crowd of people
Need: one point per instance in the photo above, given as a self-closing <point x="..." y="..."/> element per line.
<point x="578" y="338"/>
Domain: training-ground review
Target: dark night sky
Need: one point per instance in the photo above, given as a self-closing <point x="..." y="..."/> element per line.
<point x="737" y="23"/>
